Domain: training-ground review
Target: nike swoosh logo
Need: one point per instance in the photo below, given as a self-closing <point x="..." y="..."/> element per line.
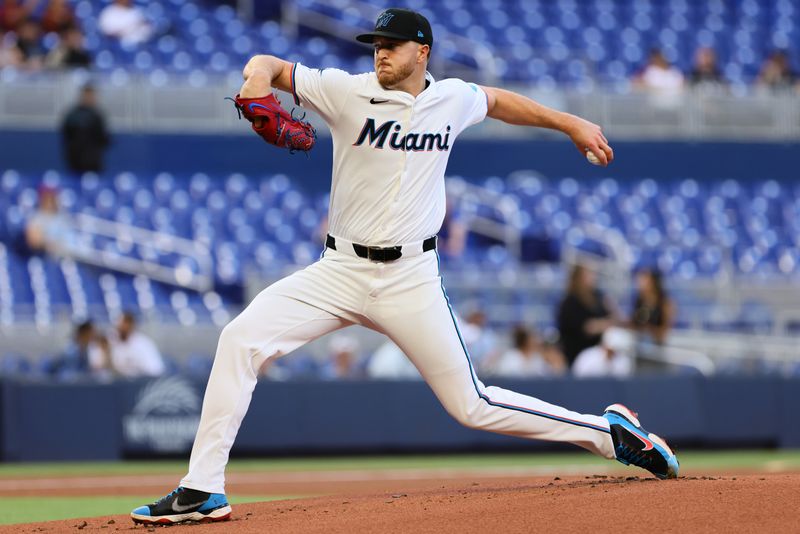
<point x="254" y="105"/>
<point x="373" y="101"/>
<point x="185" y="508"/>
<point x="648" y="445"/>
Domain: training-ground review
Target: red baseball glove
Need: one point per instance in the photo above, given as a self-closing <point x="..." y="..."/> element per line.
<point x="274" y="124"/>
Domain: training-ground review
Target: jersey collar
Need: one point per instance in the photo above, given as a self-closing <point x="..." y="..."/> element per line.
<point x="378" y="90"/>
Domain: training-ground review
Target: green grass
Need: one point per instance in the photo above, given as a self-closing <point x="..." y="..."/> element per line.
<point x="757" y="459"/>
<point x="30" y="509"/>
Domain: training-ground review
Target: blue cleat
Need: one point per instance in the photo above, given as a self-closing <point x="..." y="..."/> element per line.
<point x="184" y="505"/>
<point x="633" y="445"/>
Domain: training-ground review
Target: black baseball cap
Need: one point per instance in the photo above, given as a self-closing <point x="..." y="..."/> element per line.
<point x="403" y="24"/>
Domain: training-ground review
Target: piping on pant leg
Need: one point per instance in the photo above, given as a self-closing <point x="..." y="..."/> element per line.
<point x="419" y="319"/>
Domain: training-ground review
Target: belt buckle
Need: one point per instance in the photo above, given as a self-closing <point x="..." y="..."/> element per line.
<point x="376" y="254"/>
<point x="380" y="254"/>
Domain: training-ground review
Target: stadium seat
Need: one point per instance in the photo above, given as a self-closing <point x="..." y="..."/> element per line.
<point x="574" y="42"/>
<point x="255" y="224"/>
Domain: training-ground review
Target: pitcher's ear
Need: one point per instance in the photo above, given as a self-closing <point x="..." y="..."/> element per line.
<point x="428" y="53"/>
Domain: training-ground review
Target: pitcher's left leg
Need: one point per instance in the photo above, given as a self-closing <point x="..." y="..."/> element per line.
<point x="419" y="320"/>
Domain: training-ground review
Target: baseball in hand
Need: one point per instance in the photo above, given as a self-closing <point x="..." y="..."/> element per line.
<point x="592" y="158"/>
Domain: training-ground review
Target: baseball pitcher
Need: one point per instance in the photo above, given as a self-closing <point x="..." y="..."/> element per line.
<point x="392" y="131"/>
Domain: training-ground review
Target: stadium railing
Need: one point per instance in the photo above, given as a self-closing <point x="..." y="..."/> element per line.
<point x="167" y="102"/>
<point x="138" y="251"/>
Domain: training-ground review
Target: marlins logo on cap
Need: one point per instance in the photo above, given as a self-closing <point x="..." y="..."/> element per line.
<point x="384" y="19"/>
<point x="401" y="24"/>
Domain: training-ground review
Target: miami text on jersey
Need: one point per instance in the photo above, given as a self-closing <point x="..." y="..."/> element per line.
<point x="411" y="141"/>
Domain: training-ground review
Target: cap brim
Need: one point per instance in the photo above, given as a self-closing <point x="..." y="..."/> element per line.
<point x="369" y="37"/>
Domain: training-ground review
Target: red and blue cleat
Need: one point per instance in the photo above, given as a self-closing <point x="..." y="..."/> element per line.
<point x="183" y="505"/>
<point x="633" y="445"/>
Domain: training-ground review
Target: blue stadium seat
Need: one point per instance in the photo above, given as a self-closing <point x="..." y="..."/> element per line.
<point x="684" y="227"/>
<point x="605" y="41"/>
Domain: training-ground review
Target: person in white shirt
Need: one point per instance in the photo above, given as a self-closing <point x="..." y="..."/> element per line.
<point x="613" y="357"/>
<point x="388" y="362"/>
<point x="126" y="22"/>
<point x="133" y="354"/>
<point x="392" y="132"/>
<point x="343" y="360"/>
<point x="480" y="339"/>
<point x="660" y="76"/>
<point x="662" y="81"/>
<point x="529" y="357"/>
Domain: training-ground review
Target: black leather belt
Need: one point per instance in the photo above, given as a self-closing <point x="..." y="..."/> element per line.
<point x="381" y="254"/>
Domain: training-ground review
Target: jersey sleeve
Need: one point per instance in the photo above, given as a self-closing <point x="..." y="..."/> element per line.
<point x="323" y="91"/>
<point x="474" y="104"/>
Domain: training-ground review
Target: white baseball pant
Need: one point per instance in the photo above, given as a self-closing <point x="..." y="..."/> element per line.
<point x="404" y="300"/>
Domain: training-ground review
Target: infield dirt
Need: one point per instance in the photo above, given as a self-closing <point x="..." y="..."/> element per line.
<point x="598" y="503"/>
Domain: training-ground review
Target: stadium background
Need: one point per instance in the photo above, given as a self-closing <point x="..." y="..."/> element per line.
<point x="704" y="187"/>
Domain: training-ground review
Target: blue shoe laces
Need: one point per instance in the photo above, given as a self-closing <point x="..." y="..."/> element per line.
<point x="173" y="492"/>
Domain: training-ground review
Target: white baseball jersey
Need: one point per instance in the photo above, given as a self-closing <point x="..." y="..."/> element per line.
<point x="390" y="150"/>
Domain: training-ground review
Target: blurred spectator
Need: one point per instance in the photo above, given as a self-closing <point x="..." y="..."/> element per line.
<point x="86" y="355"/>
<point x="124" y="21"/>
<point x="70" y="52"/>
<point x="660" y="75"/>
<point x="776" y="72"/>
<point x="10" y="55"/>
<point x="653" y="311"/>
<point x="583" y="315"/>
<point x="57" y="17"/>
<point x="75" y="358"/>
<point x="705" y="73"/>
<point x="29" y="45"/>
<point x="343" y="361"/>
<point x="133" y="353"/>
<point x="554" y="357"/>
<point x="48" y="229"/>
<point x="14" y="12"/>
<point x="663" y="81"/>
<point x="84" y="135"/>
<point x="613" y="357"/>
<point x="480" y="340"/>
<point x="529" y="357"/>
<point x="390" y="363"/>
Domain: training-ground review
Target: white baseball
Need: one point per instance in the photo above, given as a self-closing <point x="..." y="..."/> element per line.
<point x="592" y="158"/>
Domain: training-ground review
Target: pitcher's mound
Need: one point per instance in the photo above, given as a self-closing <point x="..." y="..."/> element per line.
<point x="752" y="503"/>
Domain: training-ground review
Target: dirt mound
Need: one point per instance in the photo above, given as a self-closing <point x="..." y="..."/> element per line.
<point x="751" y="503"/>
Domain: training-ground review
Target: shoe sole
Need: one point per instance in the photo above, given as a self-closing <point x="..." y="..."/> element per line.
<point x="627" y="414"/>
<point x="220" y="514"/>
